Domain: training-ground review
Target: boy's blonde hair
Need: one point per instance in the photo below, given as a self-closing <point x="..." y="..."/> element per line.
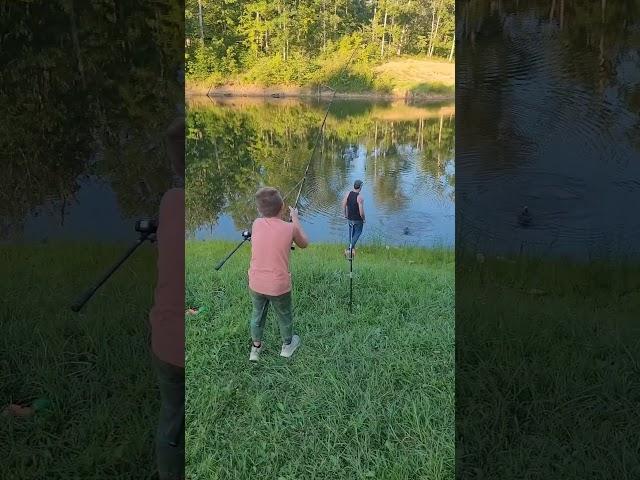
<point x="269" y="202"/>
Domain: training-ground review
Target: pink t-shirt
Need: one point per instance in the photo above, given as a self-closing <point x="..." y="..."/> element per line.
<point x="270" y="248"/>
<point x="167" y="315"/>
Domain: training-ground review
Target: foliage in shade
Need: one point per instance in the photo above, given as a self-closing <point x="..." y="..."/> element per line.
<point x="93" y="368"/>
<point x="95" y="98"/>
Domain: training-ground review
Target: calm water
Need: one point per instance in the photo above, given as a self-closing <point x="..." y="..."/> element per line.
<point x="548" y="104"/>
<point x="403" y="153"/>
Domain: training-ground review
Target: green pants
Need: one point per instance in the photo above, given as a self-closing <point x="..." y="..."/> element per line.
<point x="170" y="458"/>
<point x="284" y="310"/>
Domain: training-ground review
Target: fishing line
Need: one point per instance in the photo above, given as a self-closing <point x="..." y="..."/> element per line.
<point x="315" y="146"/>
<point x="247" y="234"/>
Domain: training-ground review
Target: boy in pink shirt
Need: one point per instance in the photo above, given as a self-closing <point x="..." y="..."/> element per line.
<point x="269" y="276"/>
<point x="167" y="316"/>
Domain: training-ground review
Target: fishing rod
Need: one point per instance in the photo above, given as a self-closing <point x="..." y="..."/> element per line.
<point x="247" y="234"/>
<point x="147" y="228"/>
<point x="350" y="266"/>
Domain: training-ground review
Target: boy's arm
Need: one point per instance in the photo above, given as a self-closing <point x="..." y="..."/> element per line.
<point x="361" y="206"/>
<point x="299" y="237"/>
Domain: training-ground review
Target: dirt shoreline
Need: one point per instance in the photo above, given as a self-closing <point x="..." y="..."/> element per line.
<point x="282" y="91"/>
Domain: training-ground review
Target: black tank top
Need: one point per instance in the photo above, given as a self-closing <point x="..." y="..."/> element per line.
<point x="353" y="211"/>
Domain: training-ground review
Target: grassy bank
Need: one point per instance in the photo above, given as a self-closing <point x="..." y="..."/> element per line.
<point x="401" y="77"/>
<point x="368" y="395"/>
<point x="93" y="367"/>
<point x="547" y="376"/>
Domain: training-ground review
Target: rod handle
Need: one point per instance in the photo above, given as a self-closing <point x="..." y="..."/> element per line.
<point x="81" y="300"/>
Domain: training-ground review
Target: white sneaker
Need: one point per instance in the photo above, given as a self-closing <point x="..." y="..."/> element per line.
<point x="287" y="350"/>
<point x="255" y="352"/>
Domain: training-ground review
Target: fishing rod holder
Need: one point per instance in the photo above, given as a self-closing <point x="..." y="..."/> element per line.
<point x="147" y="228"/>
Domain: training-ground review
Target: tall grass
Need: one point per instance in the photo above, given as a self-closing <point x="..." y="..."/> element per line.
<point x="94" y="367"/>
<point x="368" y="395"/>
<point x="547" y="375"/>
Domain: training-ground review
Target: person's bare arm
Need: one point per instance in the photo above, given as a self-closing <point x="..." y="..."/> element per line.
<point x="344" y="205"/>
<point x="361" y="206"/>
<point x="299" y="237"/>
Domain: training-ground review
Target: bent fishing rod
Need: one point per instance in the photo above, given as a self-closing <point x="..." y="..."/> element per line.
<point x="246" y="235"/>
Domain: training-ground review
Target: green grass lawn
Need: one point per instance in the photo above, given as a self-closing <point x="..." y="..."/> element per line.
<point x="94" y="367"/>
<point x="547" y="373"/>
<point x="368" y="395"/>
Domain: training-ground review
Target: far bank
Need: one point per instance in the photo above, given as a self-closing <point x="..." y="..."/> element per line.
<point x="287" y="91"/>
<point x="403" y="78"/>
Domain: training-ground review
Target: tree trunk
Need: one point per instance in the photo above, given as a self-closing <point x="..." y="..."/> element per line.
<point x="201" y="23"/>
<point x="433" y="22"/>
<point x="453" y="45"/>
<point x="384" y="30"/>
<point x="561" y="14"/>
<point x="76" y="42"/>
<point x="604" y="7"/>
<point x="373" y="24"/>
<point x="393" y="32"/>
<point x="435" y="33"/>
<point x="259" y="39"/>
<point x="404" y="27"/>
<point x="552" y="11"/>
<point x="324" y="26"/>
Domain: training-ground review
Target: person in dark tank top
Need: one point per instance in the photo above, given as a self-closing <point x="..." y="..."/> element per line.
<point x="353" y="209"/>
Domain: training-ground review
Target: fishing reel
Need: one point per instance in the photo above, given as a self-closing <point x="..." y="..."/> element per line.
<point x="246" y="235"/>
<point x="147" y="228"/>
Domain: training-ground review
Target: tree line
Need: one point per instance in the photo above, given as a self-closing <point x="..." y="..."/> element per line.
<point x="234" y="35"/>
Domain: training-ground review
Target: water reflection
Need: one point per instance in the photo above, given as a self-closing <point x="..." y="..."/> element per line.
<point x="550" y="124"/>
<point x="84" y="114"/>
<point x="404" y="153"/>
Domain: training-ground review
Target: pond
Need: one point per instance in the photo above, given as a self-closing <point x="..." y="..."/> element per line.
<point x="548" y="119"/>
<point x="403" y="153"/>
